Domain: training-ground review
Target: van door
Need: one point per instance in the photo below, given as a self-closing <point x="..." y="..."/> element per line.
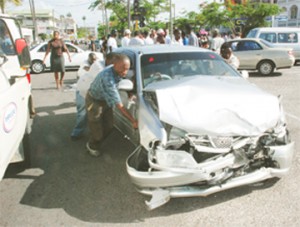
<point x="13" y="117"/>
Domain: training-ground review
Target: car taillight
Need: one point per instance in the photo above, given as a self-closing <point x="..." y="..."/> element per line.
<point x="28" y="77"/>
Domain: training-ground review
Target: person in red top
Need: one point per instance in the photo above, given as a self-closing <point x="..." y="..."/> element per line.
<point x="57" y="62"/>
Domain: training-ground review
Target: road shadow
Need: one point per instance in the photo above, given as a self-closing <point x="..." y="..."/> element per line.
<point x="256" y="74"/>
<point x="95" y="190"/>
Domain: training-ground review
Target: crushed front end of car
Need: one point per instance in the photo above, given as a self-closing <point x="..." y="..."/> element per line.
<point x="226" y="143"/>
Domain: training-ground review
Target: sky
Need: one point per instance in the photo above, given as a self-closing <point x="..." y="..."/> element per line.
<point x="79" y="8"/>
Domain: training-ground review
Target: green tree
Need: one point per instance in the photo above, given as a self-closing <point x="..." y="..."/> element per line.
<point x="3" y="3"/>
<point x="251" y="13"/>
<point x="43" y="36"/>
<point x="119" y="15"/>
<point x="81" y="33"/>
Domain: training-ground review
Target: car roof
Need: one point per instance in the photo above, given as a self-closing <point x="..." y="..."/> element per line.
<point x="162" y="48"/>
<point x="278" y="29"/>
<point x="245" y="39"/>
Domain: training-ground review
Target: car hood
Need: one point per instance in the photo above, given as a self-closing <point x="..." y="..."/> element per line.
<point x="226" y="106"/>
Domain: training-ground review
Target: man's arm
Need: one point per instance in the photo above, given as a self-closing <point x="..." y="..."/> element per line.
<point x="127" y="114"/>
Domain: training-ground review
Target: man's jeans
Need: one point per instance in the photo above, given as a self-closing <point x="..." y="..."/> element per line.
<point x="81" y="116"/>
<point x="100" y="121"/>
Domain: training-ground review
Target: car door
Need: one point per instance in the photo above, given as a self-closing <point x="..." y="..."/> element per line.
<point x="78" y="56"/>
<point x="40" y="54"/>
<point x="13" y="117"/>
<point x="248" y="52"/>
<point x="130" y="102"/>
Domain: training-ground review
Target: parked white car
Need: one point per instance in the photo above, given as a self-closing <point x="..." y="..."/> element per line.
<point x="15" y="94"/>
<point x="260" y="55"/>
<point x="203" y="128"/>
<point x="77" y="54"/>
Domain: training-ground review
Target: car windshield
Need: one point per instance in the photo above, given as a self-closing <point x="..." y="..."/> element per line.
<point x="168" y="66"/>
<point x="265" y="42"/>
<point x="252" y="33"/>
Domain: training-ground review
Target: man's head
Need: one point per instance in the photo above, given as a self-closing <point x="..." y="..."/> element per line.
<point x="137" y="33"/>
<point x="177" y="34"/>
<point x="127" y="32"/>
<point x="226" y="51"/>
<point x="92" y="58"/>
<point x="215" y="32"/>
<point x="121" y="64"/>
<point x="114" y="33"/>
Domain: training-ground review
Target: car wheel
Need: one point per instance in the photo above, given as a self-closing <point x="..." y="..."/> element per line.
<point x="266" y="68"/>
<point x="37" y="66"/>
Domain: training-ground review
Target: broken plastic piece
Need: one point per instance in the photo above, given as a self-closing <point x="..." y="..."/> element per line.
<point x="159" y="198"/>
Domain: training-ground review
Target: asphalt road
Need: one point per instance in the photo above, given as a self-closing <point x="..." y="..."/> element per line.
<point x="67" y="187"/>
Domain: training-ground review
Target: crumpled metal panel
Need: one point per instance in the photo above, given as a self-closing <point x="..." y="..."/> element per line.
<point x="216" y="106"/>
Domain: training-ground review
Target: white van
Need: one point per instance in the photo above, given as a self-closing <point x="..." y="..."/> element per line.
<point x="15" y="94"/>
<point x="280" y="37"/>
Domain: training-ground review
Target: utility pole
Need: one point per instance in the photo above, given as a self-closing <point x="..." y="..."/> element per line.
<point x="171" y="21"/>
<point x="128" y="13"/>
<point x="35" y="30"/>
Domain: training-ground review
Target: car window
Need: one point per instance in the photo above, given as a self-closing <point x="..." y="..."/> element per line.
<point x="169" y="66"/>
<point x="252" y="33"/>
<point x="269" y="36"/>
<point x="247" y="46"/>
<point x="288" y="37"/>
<point x="6" y="42"/>
<point x="43" y="48"/>
<point x="71" y="48"/>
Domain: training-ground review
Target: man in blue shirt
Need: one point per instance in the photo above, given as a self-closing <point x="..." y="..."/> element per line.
<point x="102" y="96"/>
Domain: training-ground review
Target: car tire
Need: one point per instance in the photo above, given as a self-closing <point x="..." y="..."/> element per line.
<point x="266" y="68"/>
<point x="37" y="66"/>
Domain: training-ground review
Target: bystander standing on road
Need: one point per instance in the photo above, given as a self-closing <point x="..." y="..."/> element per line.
<point x="112" y="41"/>
<point x="160" y="37"/>
<point x="137" y="39"/>
<point x="193" y="39"/>
<point x="126" y="38"/>
<point x="177" y="40"/>
<point x="216" y="41"/>
<point x="102" y="96"/>
<point x="57" y="61"/>
<point x="92" y="45"/>
<point x="147" y="39"/>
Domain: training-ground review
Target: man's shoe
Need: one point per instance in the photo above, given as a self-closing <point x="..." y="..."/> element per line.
<point x="92" y="152"/>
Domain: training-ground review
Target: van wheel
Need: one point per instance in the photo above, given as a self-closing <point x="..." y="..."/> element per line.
<point x="26" y="149"/>
<point x="37" y="66"/>
<point x="266" y="68"/>
<point x="26" y="143"/>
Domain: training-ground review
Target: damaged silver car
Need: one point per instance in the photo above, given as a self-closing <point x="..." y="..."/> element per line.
<point x="203" y="128"/>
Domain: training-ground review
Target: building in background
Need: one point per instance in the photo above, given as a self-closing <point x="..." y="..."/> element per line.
<point x="290" y="17"/>
<point x="47" y="22"/>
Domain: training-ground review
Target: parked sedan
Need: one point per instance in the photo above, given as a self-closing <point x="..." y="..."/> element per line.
<point x="78" y="56"/>
<point x="258" y="54"/>
<point x="203" y="128"/>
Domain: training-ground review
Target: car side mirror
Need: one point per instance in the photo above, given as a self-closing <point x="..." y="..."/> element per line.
<point x="125" y="85"/>
<point x="23" y="53"/>
<point x="245" y="74"/>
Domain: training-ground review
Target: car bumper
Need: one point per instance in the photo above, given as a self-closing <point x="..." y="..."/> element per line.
<point x="169" y="183"/>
